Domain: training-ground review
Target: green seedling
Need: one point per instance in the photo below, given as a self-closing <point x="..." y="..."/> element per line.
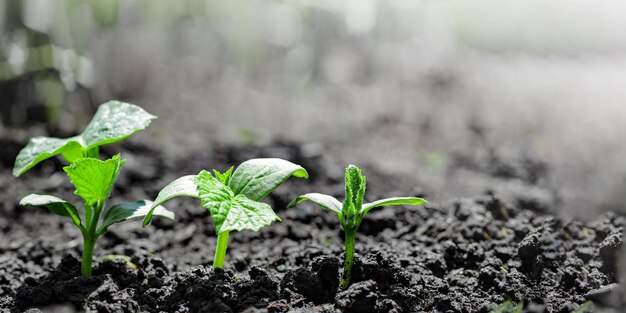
<point x="352" y="211"/>
<point x="113" y="122"/>
<point x="233" y="198"/>
<point x="94" y="180"/>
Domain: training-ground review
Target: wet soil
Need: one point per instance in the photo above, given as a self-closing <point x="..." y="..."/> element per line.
<point x="455" y="255"/>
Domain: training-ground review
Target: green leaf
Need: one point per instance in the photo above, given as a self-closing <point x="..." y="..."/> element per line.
<point x="256" y="178"/>
<point x="126" y="211"/>
<point x="54" y="204"/>
<point x="248" y="214"/>
<point x="392" y="201"/>
<point x="215" y="196"/>
<point x="229" y="211"/>
<point x="182" y="187"/>
<point x="114" y="121"/>
<point x="93" y="178"/>
<point x="325" y="201"/>
<point x="224" y="177"/>
<point x="355" y="191"/>
<point x="42" y="148"/>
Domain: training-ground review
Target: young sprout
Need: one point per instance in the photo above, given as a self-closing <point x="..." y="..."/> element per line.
<point x="94" y="180"/>
<point x="114" y="121"/>
<point x="232" y="198"/>
<point x="352" y="211"/>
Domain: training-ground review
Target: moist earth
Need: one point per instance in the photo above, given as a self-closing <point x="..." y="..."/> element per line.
<point x="455" y="255"/>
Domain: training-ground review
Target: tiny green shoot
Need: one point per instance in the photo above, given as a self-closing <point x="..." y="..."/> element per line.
<point x="585" y="307"/>
<point x="352" y="211"/>
<point x="93" y="180"/>
<point x="509" y="307"/>
<point x="233" y="198"/>
<point x="113" y="122"/>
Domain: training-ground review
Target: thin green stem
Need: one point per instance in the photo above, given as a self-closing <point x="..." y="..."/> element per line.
<point x="93" y="225"/>
<point x="88" y="247"/>
<point x="89" y="211"/>
<point x="93" y="153"/>
<point x="220" y="250"/>
<point x="92" y="216"/>
<point x="349" y="261"/>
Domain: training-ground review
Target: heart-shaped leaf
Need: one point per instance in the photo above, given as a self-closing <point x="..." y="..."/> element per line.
<point x="256" y="178"/>
<point x="126" y="211"/>
<point x="114" y="121"/>
<point x="54" y="204"/>
<point x="229" y="211"/>
<point x="93" y="178"/>
<point x="248" y="214"/>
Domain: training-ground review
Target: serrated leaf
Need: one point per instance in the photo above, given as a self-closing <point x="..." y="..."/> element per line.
<point x="182" y="187"/>
<point x="248" y="214"/>
<point x="256" y="178"/>
<point x="126" y="211"/>
<point x="325" y="201"/>
<point x="41" y="148"/>
<point x="93" y="178"/>
<point x="214" y="196"/>
<point x="55" y="205"/>
<point x="114" y="121"/>
<point x="392" y="201"/>
<point x="355" y="191"/>
<point x="229" y="211"/>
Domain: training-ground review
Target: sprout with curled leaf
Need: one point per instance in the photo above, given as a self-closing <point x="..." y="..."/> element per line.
<point x="233" y="198"/>
<point x="94" y="180"/>
<point x="352" y="211"/>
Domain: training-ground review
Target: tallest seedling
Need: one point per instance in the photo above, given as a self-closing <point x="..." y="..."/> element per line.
<point x="92" y="178"/>
<point x="352" y="211"/>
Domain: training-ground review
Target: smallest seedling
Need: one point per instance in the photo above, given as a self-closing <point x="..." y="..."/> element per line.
<point x="352" y="211"/>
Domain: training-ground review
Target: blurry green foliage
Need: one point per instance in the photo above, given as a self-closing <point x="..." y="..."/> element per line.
<point x="41" y="54"/>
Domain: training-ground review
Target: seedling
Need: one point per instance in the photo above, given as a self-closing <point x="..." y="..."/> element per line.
<point x="233" y="198"/>
<point x="352" y="211"/>
<point x="94" y="180"/>
<point x="114" y="121"/>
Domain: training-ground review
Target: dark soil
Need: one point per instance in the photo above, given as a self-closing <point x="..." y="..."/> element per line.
<point x="459" y="255"/>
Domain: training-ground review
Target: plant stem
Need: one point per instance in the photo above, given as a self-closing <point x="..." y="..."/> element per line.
<point x="220" y="250"/>
<point x="349" y="261"/>
<point x="92" y="215"/>
<point x="93" y="153"/>
<point x="88" y="247"/>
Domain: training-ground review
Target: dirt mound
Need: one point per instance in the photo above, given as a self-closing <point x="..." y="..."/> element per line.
<point x="461" y="255"/>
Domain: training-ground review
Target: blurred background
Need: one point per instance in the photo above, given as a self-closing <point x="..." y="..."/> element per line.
<point x="430" y="89"/>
